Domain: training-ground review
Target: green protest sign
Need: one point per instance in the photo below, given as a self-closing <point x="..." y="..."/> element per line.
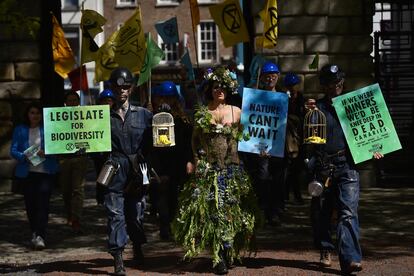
<point x="366" y="122"/>
<point x="67" y="129"/>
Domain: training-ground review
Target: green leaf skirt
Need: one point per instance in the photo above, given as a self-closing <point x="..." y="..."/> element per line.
<point x="217" y="210"/>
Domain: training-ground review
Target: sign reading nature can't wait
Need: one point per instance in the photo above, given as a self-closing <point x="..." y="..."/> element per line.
<point x="68" y="129"/>
<point x="366" y="123"/>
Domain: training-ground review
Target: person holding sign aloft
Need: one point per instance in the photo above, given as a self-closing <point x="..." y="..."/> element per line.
<point x="332" y="164"/>
<point x="268" y="172"/>
<point x="36" y="171"/>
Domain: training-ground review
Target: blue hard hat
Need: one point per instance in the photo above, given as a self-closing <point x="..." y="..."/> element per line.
<point x="291" y="79"/>
<point x="107" y="93"/>
<point x="270" y="67"/>
<point x="166" y="88"/>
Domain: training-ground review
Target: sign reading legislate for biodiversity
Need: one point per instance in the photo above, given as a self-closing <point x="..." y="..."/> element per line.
<point x="68" y="129"/>
<point x="366" y="123"/>
<point x="264" y="116"/>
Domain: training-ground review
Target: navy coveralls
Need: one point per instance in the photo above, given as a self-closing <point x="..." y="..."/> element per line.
<point x="343" y="193"/>
<point x="125" y="213"/>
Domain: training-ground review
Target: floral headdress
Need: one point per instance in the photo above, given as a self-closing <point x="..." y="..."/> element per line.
<point x="224" y="77"/>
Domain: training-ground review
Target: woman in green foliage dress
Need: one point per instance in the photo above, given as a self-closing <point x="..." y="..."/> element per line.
<point x="218" y="208"/>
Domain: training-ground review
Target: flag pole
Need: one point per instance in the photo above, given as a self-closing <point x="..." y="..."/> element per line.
<point x="81" y="65"/>
<point x="196" y="55"/>
<point x="149" y="106"/>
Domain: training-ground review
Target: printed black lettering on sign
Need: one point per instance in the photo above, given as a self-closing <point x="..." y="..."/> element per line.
<point x="363" y="115"/>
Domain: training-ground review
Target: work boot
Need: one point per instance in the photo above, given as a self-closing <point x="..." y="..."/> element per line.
<point x="352" y="267"/>
<point x="221" y="267"/>
<point x="119" y="268"/>
<point x="138" y="255"/>
<point x="325" y="260"/>
<point x="38" y="243"/>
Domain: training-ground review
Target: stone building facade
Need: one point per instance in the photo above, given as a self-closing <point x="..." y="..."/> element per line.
<point x="340" y="31"/>
<point x="26" y="73"/>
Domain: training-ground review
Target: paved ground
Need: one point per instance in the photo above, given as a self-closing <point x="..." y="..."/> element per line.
<point x="387" y="224"/>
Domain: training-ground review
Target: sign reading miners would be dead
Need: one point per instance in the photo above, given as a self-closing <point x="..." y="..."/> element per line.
<point x="69" y="129"/>
<point x="366" y="123"/>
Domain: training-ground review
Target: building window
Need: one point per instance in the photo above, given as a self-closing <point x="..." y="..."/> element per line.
<point x="126" y="3"/>
<point x="167" y="3"/>
<point x="207" y="42"/>
<point x="207" y="1"/>
<point x="70" y="5"/>
<point x="170" y="50"/>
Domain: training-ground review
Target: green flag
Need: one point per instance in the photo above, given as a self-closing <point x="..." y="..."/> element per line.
<point x="153" y="56"/>
<point x="315" y="62"/>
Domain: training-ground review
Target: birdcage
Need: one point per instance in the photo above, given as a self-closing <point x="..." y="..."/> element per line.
<point x="314" y="128"/>
<point x="163" y="130"/>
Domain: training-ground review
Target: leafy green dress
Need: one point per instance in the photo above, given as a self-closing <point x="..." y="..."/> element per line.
<point x="217" y="206"/>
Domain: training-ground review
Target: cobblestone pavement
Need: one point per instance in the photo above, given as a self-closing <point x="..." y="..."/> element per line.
<point x="387" y="224"/>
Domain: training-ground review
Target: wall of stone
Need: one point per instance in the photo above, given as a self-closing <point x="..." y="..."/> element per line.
<point x="336" y="29"/>
<point x="20" y="74"/>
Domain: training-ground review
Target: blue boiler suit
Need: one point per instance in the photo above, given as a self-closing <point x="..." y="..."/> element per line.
<point x="342" y="194"/>
<point x="125" y="213"/>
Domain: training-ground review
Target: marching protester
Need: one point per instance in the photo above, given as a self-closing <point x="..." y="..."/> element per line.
<point x="333" y="164"/>
<point x="73" y="168"/>
<point x="171" y="163"/>
<point x="294" y="129"/>
<point x="35" y="170"/>
<point x="268" y="173"/>
<point x="131" y="140"/>
<point x="105" y="97"/>
<point x="219" y="200"/>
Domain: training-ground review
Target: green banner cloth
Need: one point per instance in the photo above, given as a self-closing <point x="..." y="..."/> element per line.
<point x="366" y="122"/>
<point x="68" y="129"/>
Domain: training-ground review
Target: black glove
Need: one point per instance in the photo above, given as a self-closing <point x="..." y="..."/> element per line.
<point x="80" y="151"/>
<point x="164" y="108"/>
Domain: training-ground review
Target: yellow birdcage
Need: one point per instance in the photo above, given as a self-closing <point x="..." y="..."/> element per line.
<point x="314" y="127"/>
<point x="163" y="130"/>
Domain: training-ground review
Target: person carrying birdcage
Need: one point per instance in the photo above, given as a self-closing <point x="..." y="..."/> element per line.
<point x="332" y="165"/>
<point x="131" y="142"/>
<point x="172" y="156"/>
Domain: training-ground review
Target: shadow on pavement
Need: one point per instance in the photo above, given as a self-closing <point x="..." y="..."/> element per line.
<point x="89" y="267"/>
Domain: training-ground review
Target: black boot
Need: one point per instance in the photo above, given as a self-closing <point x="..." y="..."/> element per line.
<point x="119" y="264"/>
<point x="221" y="267"/>
<point x="138" y="255"/>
